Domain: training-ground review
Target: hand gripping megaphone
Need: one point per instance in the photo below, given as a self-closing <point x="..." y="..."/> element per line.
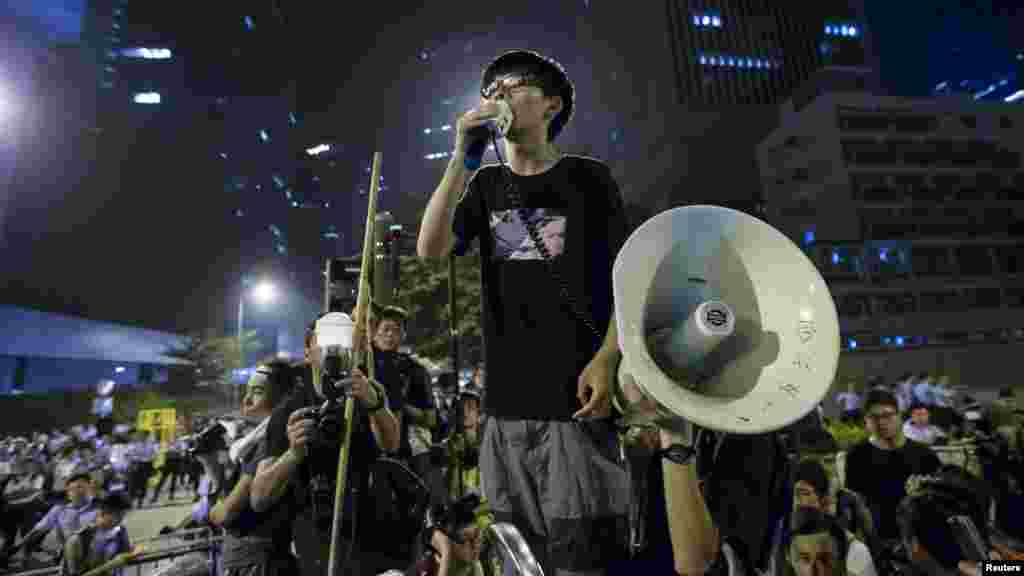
<point x="723" y="322"/>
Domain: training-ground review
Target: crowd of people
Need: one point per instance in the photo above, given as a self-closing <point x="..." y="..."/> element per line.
<point x="530" y="461"/>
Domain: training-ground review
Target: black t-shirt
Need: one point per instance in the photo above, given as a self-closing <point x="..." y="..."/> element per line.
<point x="406" y="382"/>
<point x="535" y="346"/>
<point x="297" y="500"/>
<point x="880" y="476"/>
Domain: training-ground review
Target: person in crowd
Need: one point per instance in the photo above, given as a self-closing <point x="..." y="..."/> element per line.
<point x="144" y="450"/>
<point x="561" y="411"/>
<point x="67" y="518"/>
<point x="250" y="542"/>
<point x="295" y="476"/>
<point x="175" y="468"/>
<point x="904" y="391"/>
<point x="454" y="535"/>
<point x="918" y="428"/>
<point x="99" y="543"/>
<point x="463" y="451"/>
<point x="932" y="518"/>
<point x="812" y="489"/>
<point x="816" y="544"/>
<point x="923" y="390"/>
<point x="849" y="402"/>
<point x="878" y="467"/>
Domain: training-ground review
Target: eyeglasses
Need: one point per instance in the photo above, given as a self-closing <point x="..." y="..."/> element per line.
<point x="882" y="415"/>
<point x="509" y="83"/>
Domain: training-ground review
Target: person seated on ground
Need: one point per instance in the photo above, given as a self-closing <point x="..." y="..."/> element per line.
<point x="101" y="542"/>
<point x="919" y="429"/>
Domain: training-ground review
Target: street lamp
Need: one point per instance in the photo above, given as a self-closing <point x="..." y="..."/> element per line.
<point x="264" y="293"/>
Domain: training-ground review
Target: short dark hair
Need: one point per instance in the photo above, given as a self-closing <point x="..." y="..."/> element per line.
<point x="396" y="314"/>
<point x="551" y="76"/>
<point x="812" y="472"/>
<point x="878" y="396"/>
<point x="807" y="520"/>
<point x="280" y="377"/>
<point x="918" y="406"/>
<point x="925" y="512"/>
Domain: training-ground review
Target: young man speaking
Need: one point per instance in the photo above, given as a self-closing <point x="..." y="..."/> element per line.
<point x="549" y="226"/>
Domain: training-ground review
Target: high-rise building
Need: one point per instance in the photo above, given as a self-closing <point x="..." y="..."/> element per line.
<point x="757" y="51"/>
<point x="911" y="209"/>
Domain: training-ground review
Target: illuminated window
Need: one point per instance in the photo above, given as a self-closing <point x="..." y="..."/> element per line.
<point x="278" y="181"/>
<point x="147" y="53"/>
<point x="275" y="230"/>
<point x="264" y="136"/>
<point x="292" y="119"/>
<point x="146" y="98"/>
<point x="851" y="343"/>
<point x="248" y="23"/>
<point x="809" y="237"/>
<point x="281" y="250"/>
<point x="239" y="212"/>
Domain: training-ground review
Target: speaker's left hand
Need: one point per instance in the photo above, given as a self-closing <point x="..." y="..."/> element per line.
<point x="594" y="387"/>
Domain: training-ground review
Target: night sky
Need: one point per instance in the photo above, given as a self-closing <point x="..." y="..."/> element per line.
<point x="124" y="213"/>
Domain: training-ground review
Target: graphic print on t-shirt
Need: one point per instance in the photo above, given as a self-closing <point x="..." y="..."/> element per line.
<point x="512" y="240"/>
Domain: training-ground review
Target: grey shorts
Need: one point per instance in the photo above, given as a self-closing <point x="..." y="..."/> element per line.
<point x="563" y="485"/>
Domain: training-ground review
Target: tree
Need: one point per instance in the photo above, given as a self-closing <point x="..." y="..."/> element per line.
<point x="210" y="360"/>
<point x="423" y="292"/>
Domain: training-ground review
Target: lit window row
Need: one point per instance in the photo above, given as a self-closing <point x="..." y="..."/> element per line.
<point x="1019" y="94"/>
<point x="891" y="341"/>
<point x="444" y="128"/>
<point x="437" y="155"/>
<point x="146" y="98"/>
<point x="847" y="30"/>
<point x="707" y="20"/>
<point x="318" y="149"/>
<point x="147" y="53"/>
<point x="726" y="60"/>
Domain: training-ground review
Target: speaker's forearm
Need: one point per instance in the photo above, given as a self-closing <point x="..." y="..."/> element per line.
<point x="694" y="536"/>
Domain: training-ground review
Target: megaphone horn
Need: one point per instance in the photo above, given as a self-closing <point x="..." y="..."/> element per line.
<point x="723" y="322"/>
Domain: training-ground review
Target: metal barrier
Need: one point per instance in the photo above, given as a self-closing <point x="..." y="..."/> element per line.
<point x="185" y="553"/>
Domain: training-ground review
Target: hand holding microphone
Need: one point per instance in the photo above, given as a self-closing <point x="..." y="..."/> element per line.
<point x="473" y="129"/>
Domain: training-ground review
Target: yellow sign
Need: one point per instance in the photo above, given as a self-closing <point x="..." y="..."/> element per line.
<point x="163" y="421"/>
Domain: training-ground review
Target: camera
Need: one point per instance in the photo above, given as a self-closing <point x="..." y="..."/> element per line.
<point x="209" y="440"/>
<point x="452" y="518"/>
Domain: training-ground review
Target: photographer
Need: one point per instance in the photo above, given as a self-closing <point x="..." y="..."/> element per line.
<point x="250" y="541"/>
<point x="295" y="477"/>
<point x="933" y="518"/>
<point x="452" y="537"/>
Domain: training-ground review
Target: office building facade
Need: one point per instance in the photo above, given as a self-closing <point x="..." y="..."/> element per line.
<point x="911" y="210"/>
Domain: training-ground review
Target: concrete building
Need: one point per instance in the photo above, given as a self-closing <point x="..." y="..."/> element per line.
<point x="911" y="209"/>
<point x="42" y="352"/>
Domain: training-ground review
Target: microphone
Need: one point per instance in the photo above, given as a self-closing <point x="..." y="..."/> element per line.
<point x="476" y="138"/>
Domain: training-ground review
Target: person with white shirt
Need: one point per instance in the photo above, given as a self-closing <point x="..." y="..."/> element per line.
<point x="904" y="391"/>
<point x="922" y="390"/>
<point x="849" y="402"/>
<point x="918" y="429"/>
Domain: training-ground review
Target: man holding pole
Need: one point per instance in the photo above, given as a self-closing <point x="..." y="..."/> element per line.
<point x="302" y="449"/>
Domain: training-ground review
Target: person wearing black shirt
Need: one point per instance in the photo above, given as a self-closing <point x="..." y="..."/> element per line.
<point x="297" y="458"/>
<point x="394" y="490"/>
<point x="549" y="460"/>
<point x="878" y="468"/>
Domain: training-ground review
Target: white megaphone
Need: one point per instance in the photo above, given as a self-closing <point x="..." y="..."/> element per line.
<point x="723" y="322"/>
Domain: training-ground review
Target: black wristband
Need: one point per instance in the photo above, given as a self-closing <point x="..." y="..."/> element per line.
<point x="678" y="454"/>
